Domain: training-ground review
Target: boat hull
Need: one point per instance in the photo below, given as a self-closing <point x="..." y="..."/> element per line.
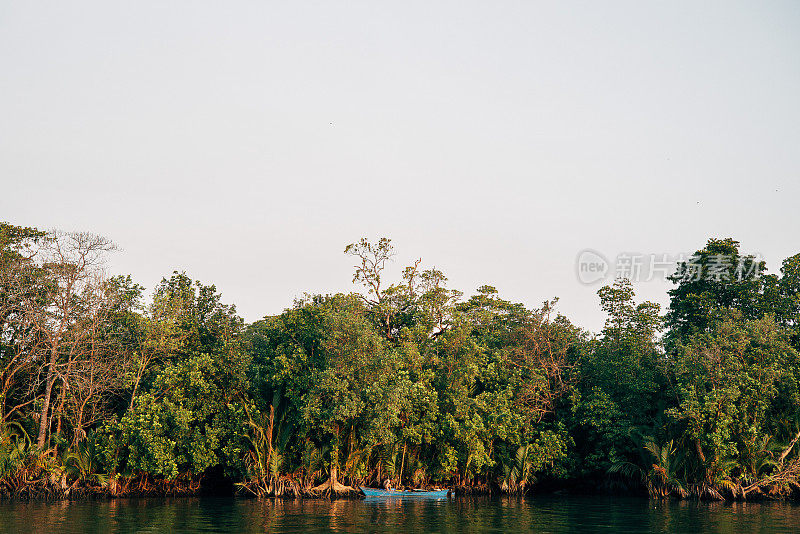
<point x="393" y="494"/>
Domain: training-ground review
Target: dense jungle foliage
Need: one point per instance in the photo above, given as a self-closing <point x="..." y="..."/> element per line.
<point x="104" y="392"/>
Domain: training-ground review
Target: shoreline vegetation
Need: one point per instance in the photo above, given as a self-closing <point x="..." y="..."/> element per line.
<point x="106" y="391"/>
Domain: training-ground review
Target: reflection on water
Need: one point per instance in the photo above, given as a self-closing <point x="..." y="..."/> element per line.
<point x="542" y="514"/>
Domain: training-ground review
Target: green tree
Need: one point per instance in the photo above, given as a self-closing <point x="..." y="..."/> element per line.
<point x="622" y="381"/>
<point x="728" y="382"/>
<point x="716" y="279"/>
<point x="21" y="282"/>
<point x="191" y="417"/>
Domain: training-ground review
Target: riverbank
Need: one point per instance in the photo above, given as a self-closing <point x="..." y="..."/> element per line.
<point x="55" y="488"/>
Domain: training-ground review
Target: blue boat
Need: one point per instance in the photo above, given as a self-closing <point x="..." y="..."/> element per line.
<point x="374" y="492"/>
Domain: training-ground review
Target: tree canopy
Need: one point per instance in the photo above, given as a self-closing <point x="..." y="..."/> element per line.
<point x="404" y="380"/>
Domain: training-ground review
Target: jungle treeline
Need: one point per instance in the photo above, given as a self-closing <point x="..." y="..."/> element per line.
<point x="106" y="389"/>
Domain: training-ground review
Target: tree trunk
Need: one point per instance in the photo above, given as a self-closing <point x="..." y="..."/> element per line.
<point x="269" y="438"/>
<point x="44" y="421"/>
<point x="79" y="432"/>
<point x="135" y="388"/>
<point x="699" y="450"/>
<point x="402" y="463"/>
<point x="62" y="397"/>
<point x="788" y="449"/>
<point x="332" y="487"/>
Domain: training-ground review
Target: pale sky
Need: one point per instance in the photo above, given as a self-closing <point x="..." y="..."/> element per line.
<point x="248" y="142"/>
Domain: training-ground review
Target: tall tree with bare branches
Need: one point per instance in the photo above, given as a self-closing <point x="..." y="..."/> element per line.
<point x="69" y="318"/>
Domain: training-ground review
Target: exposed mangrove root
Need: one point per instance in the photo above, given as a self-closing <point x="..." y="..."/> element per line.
<point x="333" y="489"/>
<point x="283" y="487"/>
<point x="148" y="486"/>
<point x="47" y="488"/>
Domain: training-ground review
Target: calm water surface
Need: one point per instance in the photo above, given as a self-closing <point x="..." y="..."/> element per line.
<point x="539" y="514"/>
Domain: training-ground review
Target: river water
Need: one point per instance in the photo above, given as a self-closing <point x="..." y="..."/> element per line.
<point x="537" y="514"/>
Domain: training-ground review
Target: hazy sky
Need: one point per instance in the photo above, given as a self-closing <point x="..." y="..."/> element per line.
<point x="248" y="142"/>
